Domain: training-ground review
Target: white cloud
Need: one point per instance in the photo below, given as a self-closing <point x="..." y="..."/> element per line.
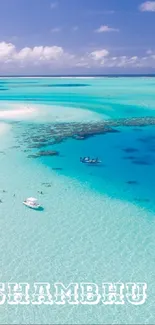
<point x="105" y="28"/>
<point x="7" y="50"/>
<point x="147" y="6"/>
<point x="134" y="58"/>
<point x="27" y="55"/>
<point x="55" y="57"/>
<point x="99" y="55"/>
<point x="54" y="5"/>
<point x="56" y="30"/>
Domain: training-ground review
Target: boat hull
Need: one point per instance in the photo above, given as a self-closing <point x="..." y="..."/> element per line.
<point x="91" y="163"/>
<point x="32" y="206"/>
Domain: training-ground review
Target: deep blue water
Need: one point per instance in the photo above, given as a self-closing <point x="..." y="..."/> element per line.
<point x="127" y="171"/>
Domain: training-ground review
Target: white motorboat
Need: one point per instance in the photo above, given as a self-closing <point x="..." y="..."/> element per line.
<point x="32" y="203"/>
<point x="87" y="160"/>
<point x="93" y="162"/>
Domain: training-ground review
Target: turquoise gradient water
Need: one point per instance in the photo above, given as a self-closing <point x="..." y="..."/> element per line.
<point x="98" y="223"/>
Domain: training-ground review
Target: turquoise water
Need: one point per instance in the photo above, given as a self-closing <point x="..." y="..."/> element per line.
<point x="98" y="223"/>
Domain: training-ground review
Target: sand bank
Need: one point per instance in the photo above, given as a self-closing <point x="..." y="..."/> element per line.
<point x="4" y="127"/>
<point x="17" y="113"/>
<point x="42" y="113"/>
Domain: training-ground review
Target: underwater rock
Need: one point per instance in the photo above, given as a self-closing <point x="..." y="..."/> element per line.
<point x="147" y="139"/>
<point x="142" y="140"/>
<point x="110" y="130"/>
<point x="37" y="139"/>
<point x="142" y="162"/>
<point x="39" y="145"/>
<point x="78" y="137"/>
<point x="32" y="156"/>
<point x="141" y="200"/>
<point x="49" y="153"/>
<point x="149" y="142"/>
<point x="130" y="150"/>
<point x="47" y="184"/>
<point x="15" y="147"/>
<point x="132" y="182"/>
<point x="57" y="140"/>
<point x="57" y="168"/>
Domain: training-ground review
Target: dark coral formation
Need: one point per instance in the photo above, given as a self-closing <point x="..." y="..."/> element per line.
<point x="78" y="137"/>
<point x="57" y="168"/>
<point x="142" y="162"/>
<point x="130" y="150"/>
<point x="47" y="153"/>
<point x="142" y="200"/>
<point x="148" y="139"/>
<point x="132" y="182"/>
<point x="15" y="147"/>
<point x="47" y="184"/>
<point x="54" y="133"/>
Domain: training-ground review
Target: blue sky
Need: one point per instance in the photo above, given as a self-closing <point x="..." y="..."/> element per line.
<point x="77" y="36"/>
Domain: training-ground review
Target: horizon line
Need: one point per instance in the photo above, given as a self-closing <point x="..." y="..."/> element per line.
<point x="81" y="75"/>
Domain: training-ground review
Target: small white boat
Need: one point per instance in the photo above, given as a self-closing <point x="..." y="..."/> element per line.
<point x="32" y="203"/>
<point x="90" y="161"/>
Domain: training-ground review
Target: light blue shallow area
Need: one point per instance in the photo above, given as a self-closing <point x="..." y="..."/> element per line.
<point x="98" y="223"/>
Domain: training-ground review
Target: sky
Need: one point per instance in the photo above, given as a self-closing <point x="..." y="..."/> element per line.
<point x="77" y="36"/>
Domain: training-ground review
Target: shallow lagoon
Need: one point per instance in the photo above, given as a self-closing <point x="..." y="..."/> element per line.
<point x="98" y="222"/>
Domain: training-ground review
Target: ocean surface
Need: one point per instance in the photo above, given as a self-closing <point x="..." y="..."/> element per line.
<point x="98" y="222"/>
